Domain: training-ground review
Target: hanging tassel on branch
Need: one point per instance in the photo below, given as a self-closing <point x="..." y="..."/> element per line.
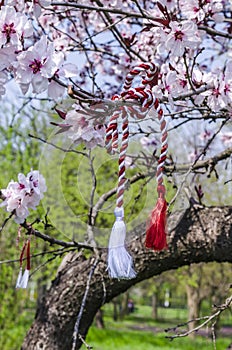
<point x="120" y="263"/>
<point x="156" y="226"/>
<point x="22" y="280"/>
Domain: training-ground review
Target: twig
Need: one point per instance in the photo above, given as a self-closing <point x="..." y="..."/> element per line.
<point x="57" y="147"/>
<point x="195" y="162"/>
<point x="79" y="316"/>
<point x="53" y="240"/>
<point x="212" y="31"/>
<point x="6" y="220"/>
<point x="89" y="347"/>
<point x="59" y="251"/>
<point x="104" y="10"/>
<point x="91" y="218"/>
<point x="208" y="319"/>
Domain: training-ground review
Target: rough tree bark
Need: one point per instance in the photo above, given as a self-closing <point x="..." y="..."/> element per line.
<point x="199" y="235"/>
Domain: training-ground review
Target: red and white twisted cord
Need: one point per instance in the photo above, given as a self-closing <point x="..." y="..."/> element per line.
<point x="122" y="156"/>
<point x="111" y="138"/>
<point x="144" y="95"/>
<point x="150" y="69"/>
<point x="164" y="146"/>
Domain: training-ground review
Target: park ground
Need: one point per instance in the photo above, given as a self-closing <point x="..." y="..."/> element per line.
<point x="139" y="331"/>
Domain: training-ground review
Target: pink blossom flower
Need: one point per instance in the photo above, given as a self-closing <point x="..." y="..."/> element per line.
<point x="191" y="9"/>
<point x="176" y="84"/>
<point x="35" y="66"/>
<point x="3" y="80"/>
<point x="36" y="6"/>
<point x="149" y="144"/>
<point x="205" y="135"/>
<point x="193" y="155"/>
<point x="64" y="70"/>
<point x="129" y="164"/>
<point x="214" y="9"/>
<point x="183" y="35"/>
<point x="226" y="138"/>
<point x="82" y="130"/>
<point x="7" y="57"/>
<point x="216" y="94"/>
<point x="14" y="27"/>
<point x="24" y="195"/>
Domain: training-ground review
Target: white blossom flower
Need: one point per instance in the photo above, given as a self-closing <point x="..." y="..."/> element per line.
<point x="183" y="35"/>
<point x="215" y="10"/>
<point x="149" y="144"/>
<point x="7" y="57"/>
<point x="36" y="6"/>
<point x="64" y="70"/>
<point x="176" y="84"/>
<point x="226" y="138"/>
<point x="14" y="27"/>
<point x="35" y="66"/>
<point x="191" y="9"/>
<point x="83" y="130"/>
<point x="3" y="80"/>
<point x="24" y="195"/>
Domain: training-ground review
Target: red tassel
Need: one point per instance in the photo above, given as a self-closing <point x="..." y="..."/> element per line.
<point x="156" y="228"/>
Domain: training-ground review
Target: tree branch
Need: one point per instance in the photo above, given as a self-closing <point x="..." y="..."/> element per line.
<point x="104" y="10"/>
<point x="207" y="319"/>
<point x="200" y="235"/>
<point x="52" y="240"/>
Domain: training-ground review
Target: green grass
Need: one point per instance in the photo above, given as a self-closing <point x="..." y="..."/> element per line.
<point x="109" y="339"/>
<point x="139" y="331"/>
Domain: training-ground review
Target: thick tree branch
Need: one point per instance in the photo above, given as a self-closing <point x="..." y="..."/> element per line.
<point x="200" y="235"/>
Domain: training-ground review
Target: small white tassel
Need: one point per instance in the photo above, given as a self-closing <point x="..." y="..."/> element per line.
<point x="18" y="283"/>
<point x="24" y="279"/>
<point x="120" y="263"/>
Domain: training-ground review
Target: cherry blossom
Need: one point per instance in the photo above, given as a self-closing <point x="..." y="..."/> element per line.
<point x="205" y="135"/>
<point x="219" y="95"/>
<point x="36" y="6"/>
<point x="3" y="79"/>
<point x="149" y="144"/>
<point x="192" y="10"/>
<point x="183" y="35"/>
<point x="35" y="66"/>
<point x="82" y="130"/>
<point x="14" y="27"/>
<point x="64" y="70"/>
<point x="129" y="164"/>
<point x="7" y="57"/>
<point x="176" y="84"/>
<point x="226" y="138"/>
<point x="24" y="194"/>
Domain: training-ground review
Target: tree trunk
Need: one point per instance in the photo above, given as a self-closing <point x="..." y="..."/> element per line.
<point x="194" y="304"/>
<point x="99" y="319"/>
<point x="201" y="235"/>
<point x="124" y="309"/>
<point x="115" y="310"/>
<point x="154" y="301"/>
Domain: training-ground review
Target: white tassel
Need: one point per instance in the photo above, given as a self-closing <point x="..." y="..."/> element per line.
<point x="24" y="279"/>
<point x="120" y="263"/>
<point x="19" y="278"/>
